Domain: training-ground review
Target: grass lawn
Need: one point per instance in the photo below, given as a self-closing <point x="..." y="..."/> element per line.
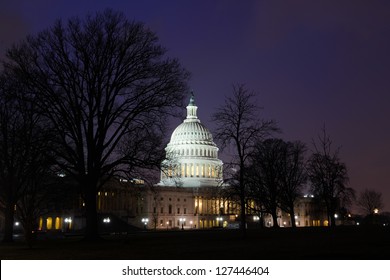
<point x="280" y="244"/>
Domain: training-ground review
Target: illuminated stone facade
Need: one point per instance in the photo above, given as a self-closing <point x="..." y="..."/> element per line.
<point x="192" y="156"/>
<point x="187" y="194"/>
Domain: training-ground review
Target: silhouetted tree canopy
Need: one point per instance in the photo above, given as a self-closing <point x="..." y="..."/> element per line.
<point x="276" y="176"/>
<point x="25" y="149"/>
<point x="369" y="200"/>
<point x="240" y="127"/>
<point x="107" y="87"/>
<point x="329" y="177"/>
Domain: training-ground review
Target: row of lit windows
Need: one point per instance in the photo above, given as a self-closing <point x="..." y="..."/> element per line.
<point x="195" y="170"/>
<point x="179" y="223"/>
<point x="53" y="223"/>
<point x="197" y="152"/>
<point x="170" y="210"/>
<point x="214" y="206"/>
<point x="203" y="223"/>
<point x="170" y="199"/>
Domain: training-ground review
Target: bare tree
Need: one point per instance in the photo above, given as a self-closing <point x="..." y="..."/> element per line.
<point x="328" y="177"/>
<point x="239" y="127"/>
<point x="294" y="177"/>
<point x="369" y="200"/>
<point x="107" y="87"/>
<point x="24" y="147"/>
<point x="276" y="176"/>
<point x="265" y="175"/>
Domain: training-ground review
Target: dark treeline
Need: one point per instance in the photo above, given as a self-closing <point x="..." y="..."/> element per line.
<point x="274" y="173"/>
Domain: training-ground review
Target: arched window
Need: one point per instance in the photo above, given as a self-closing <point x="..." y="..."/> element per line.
<point x="49" y="223"/>
<point x="57" y="224"/>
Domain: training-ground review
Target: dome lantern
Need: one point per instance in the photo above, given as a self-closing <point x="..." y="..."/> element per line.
<point x="191" y="110"/>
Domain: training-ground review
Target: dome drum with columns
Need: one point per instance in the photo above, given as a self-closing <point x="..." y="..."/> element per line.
<point x="191" y="155"/>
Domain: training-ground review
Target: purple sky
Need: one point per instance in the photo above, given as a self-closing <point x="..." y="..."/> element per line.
<point x="310" y="62"/>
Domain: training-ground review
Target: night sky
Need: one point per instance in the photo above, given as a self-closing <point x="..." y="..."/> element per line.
<point x="311" y="63"/>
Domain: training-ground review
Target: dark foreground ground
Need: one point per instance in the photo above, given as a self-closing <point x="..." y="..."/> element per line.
<point x="279" y="244"/>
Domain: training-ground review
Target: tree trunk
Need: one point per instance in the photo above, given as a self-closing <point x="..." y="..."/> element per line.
<point x="275" y="219"/>
<point x="292" y="215"/>
<point x="332" y="221"/>
<point x="28" y="232"/>
<point x="9" y="222"/>
<point x="243" y="216"/>
<point x="242" y="199"/>
<point x="292" y="218"/>
<point x="331" y="212"/>
<point x="91" y="230"/>
<point x="262" y="222"/>
<point x="9" y="214"/>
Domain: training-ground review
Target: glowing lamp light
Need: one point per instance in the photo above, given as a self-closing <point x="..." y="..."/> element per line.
<point x="106" y="220"/>
<point x="376" y="211"/>
<point x="68" y="220"/>
<point x="17" y="224"/>
<point x="336" y="216"/>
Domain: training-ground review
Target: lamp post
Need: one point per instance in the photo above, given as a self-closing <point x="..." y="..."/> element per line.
<point x="219" y="219"/>
<point x="167" y="224"/>
<point x="375" y="216"/>
<point x="182" y="220"/>
<point x="145" y="222"/>
<point x="68" y="222"/>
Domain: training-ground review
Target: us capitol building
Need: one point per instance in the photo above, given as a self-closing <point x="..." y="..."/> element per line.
<point x="191" y="178"/>
<point x="190" y="194"/>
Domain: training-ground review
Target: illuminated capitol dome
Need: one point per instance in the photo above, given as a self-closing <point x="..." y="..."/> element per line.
<point x="191" y="155"/>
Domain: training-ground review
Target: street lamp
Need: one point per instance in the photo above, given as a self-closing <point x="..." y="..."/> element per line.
<point x="167" y="224"/>
<point x="68" y="222"/>
<point x="219" y="219"/>
<point x="376" y="210"/>
<point x="182" y="220"/>
<point x="106" y="220"/>
<point x="145" y="222"/>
